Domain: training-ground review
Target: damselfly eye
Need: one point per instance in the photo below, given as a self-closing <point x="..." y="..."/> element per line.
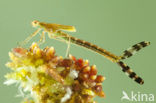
<point x="35" y="23"/>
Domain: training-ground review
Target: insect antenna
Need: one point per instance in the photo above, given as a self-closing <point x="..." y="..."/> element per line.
<point x="135" y="48"/>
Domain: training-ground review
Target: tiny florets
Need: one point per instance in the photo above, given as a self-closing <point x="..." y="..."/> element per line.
<point x="44" y="77"/>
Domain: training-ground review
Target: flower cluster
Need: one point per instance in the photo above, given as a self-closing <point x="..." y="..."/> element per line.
<point x="44" y="77"/>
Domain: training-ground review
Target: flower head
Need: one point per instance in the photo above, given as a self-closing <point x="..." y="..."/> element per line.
<point x="44" y="77"/>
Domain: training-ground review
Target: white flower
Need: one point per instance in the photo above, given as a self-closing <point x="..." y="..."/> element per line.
<point x="67" y="95"/>
<point x="73" y="73"/>
<point x="10" y="81"/>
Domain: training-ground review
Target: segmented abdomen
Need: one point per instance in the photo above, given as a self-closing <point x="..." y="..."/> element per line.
<point x="110" y="56"/>
<point x="95" y="48"/>
<point x="130" y="73"/>
<point x="90" y="46"/>
<point x="135" y="48"/>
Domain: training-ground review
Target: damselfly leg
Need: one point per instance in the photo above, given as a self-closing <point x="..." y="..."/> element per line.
<point x="42" y="38"/>
<point x="68" y="48"/>
<point x="59" y="38"/>
<point x="29" y="37"/>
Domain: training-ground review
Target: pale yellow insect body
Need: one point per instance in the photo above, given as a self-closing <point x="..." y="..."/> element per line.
<point x="53" y="28"/>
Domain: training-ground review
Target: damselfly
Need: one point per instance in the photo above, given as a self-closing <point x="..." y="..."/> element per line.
<point x="54" y="31"/>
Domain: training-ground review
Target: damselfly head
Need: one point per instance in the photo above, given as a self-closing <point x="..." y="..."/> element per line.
<point x="35" y="23"/>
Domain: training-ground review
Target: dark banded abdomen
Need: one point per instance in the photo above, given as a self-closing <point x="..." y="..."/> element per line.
<point x="135" y="48"/>
<point x="95" y="48"/>
<point x="126" y="69"/>
<point x="90" y="46"/>
<point x="109" y="55"/>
